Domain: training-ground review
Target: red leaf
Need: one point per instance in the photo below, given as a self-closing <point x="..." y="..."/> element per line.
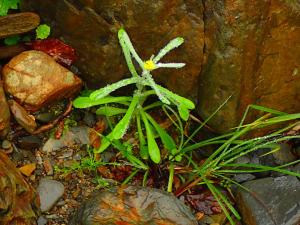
<point x="60" y="51"/>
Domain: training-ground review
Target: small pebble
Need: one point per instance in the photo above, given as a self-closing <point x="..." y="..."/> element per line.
<point x="50" y="191"/>
<point x="42" y="221"/>
<point x="6" y="144"/>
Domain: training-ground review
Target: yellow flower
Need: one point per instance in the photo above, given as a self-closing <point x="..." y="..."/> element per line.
<point x="149" y="65"/>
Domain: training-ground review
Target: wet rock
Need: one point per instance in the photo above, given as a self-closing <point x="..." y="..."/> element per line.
<point x="18" y="200"/>
<point x="91" y="28"/>
<point x="252" y="53"/>
<point x="26" y="120"/>
<point x="284" y="154"/>
<point x="240" y="178"/>
<point x="42" y="221"/>
<point x="34" y="79"/>
<point x="273" y="201"/>
<point x="18" y="23"/>
<point x="81" y="135"/>
<point x="45" y="117"/>
<point x="4" y="113"/>
<point x="50" y="192"/>
<point x="133" y="205"/>
<point x="29" y="142"/>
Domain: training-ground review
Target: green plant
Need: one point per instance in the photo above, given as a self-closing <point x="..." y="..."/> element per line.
<point x="220" y="166"/>
<point x="42" y="31"/>
<point x="6" y="5"/>
<point x="133" y="107"/>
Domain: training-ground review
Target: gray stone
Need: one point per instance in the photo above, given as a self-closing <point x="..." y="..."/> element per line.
<point x="81" y="135"/>
<point x="240" y="178"/>
<point x="29" y="142"/>
<point x="133" y="205"/>
<point x="284" y="154"/>
<point x="272" y="201"/>
<point x="42" y="221"/>
<point x="50" y="192"/>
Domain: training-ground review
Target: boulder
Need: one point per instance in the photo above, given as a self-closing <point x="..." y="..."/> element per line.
<point x="133" y="205"/>
<point x="271" y="201"/>
<point x="252" y="53"/>
<point x="4" y="113"/>
<point x="18" y="200"/>
<point x="34" y="79"/>
<point x="91" y="28"/>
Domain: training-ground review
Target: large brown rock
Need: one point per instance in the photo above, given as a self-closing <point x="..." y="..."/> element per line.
<point x="18" y="200"/>
<point x="34" y="79"/>
<point x="133" y="205"/>
<point x="252" y="53"/>
<point x="91" y="28"/>
<point x="4" y="113"/>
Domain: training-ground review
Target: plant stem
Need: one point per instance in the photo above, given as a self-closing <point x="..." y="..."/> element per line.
<point x="171" y="177"/>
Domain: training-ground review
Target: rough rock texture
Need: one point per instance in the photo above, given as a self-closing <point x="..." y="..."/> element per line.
<point x="252" y="53"/>
<point x="91" y="28"/>
<point x="18" y="201"/>
<point x="18" y="23"/>
<point x="276" y="201"/>
<point x="4" y="113"/>
<point x="249" y="51"/>
<point x="34" y="79"/>
<point x="133" y="205"/>
<point x="22" y="117"/>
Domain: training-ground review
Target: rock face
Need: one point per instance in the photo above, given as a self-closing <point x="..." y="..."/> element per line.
<point x="252" y="53"/>
<point x="249" y="51"/>
<point x="34" y="79"/>
<point x="91" y="28"/>
<point x="18" y="201"/>
<point x="4" y="113"/>
<point x="276" y="201"/>
<point x="133" y="205"/>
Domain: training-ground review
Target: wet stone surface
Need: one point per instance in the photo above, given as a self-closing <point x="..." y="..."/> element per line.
<point x="34" y="79"/>
<point x="133" y="205"/>
<point x="272" y="201"/>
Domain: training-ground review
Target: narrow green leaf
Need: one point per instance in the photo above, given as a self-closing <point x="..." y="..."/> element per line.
<point x="153" y="149"/>
<point x="105" y="143"/>
<point x="123" y="36"/>
<point x="143" y="145"/>
<point x="86" y="102"/>
<point x="175" y="43"/>
<point x="176" y="98"/>
<point x="166" y="139"/>
<point x="183" y="112"/>
<point x="103" y="92"/>
<point x="123" y="124"/>
<point x="110" y="111"/>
